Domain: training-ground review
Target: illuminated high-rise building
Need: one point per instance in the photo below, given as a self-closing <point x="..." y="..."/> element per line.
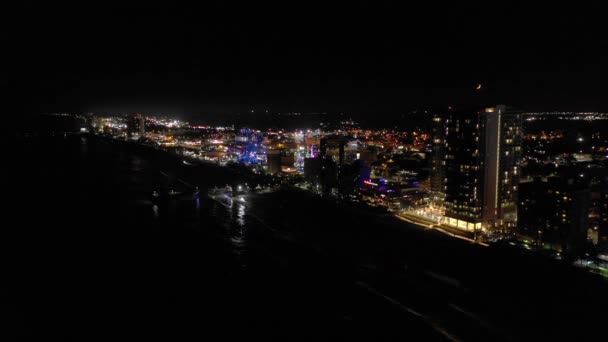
<point x="559" y="213"/>
<point x="475" y="171"/>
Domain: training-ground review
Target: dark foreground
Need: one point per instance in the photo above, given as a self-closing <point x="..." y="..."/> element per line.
<point x="91" y="257"/>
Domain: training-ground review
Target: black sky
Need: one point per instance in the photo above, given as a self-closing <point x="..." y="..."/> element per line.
<point x="368" y="57"/>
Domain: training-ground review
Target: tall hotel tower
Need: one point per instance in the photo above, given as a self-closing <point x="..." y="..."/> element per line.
<point x="475" y="169"/>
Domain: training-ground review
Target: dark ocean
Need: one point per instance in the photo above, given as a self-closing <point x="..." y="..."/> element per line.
<point x="91" y="255"/>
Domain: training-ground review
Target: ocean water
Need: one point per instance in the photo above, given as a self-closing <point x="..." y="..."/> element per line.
<point x="93" y="256"/>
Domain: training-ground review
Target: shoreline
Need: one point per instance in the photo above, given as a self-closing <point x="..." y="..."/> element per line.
<point x="227" y="175"/>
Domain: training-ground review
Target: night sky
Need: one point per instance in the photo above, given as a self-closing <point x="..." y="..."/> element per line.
<point x="363" y="57"/>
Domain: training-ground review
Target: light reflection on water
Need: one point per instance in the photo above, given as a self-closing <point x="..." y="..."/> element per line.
<point x="221" y="214"/>
<point x="237" y="233"/>
<point x="84" y="147"/>
<point x="240" y="216"/>
<point x="155" y="211"/>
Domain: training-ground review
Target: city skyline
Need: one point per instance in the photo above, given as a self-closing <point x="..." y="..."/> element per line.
<point x="286" y="200"/>
<point x="459" y="175"/>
